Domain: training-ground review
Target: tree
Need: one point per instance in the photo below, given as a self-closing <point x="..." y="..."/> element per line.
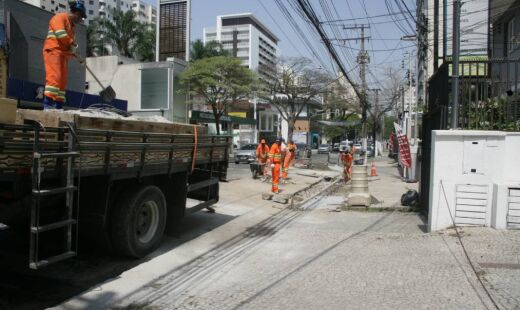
<point x="199" y="50"/>
<point x="145" y="44"/>
<point x="220" y="80"/>
<point x="297" y="84"/>
<point x="126" y="35"/>
<point x="95" y="44"/>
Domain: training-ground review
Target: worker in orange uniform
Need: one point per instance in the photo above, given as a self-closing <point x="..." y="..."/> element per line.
<point x="58" y="48"/>
<point x="289" y="157"/>
<point x="347" y="160"/>
<point x="275" y="157"/>
<point x="262" y="154"/>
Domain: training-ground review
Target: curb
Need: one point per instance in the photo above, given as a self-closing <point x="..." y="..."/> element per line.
<point x="296" y="206"/>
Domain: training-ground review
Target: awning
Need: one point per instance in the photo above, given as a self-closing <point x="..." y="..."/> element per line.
<point x="340" y="123"/>
<point x="208" y="117"/>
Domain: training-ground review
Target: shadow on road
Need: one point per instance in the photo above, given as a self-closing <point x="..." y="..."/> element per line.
<point x="22" y="288"/>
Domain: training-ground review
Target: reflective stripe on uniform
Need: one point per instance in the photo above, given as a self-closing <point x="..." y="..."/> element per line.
<point x="52" y="90"/>
<point x="60" y="33"/>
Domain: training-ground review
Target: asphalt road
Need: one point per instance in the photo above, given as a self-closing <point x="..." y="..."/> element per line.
<point x="22" y="288"/>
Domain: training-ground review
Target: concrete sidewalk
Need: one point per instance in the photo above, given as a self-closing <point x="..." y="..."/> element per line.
<point x="387" y="187"/>
<point x="241" y="208"/>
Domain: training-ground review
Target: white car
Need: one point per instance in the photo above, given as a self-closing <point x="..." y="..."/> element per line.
<point x="323" y="149"/>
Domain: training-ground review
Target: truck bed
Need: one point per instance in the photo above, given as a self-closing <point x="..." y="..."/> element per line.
<point x="120" y="153"/>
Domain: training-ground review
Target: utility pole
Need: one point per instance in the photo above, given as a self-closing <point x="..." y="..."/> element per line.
<point x="421" y="63"/>
<point x="376" y="115"/>
<point x="455" y="65"/>
<point x="362" y="59"/>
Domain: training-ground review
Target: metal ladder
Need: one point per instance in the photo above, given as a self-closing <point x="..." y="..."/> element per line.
<point x="64" y="156"/>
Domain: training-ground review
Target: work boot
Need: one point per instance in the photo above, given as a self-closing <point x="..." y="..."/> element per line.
<point x="50" y="104"/>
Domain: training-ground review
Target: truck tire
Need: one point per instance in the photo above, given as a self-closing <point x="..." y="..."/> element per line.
<point x="138" y="221"/>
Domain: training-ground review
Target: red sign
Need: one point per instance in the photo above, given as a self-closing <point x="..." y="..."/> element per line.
<point x="391" y="142"/>
<point x="404" y="148"/>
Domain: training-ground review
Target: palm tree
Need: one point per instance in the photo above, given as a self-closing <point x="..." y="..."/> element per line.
<point x="127" y="36"/>
<point x="95" y="44"/>
<point x="199" y="50"/>
<point x="145" y="45"/>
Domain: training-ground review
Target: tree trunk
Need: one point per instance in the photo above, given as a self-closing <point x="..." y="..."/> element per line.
<point x="290" y="129"/>
<point x="217" y="122"/>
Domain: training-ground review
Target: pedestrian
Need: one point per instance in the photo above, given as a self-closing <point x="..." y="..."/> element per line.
<point x="275" y="157"/>
<point x="262" y="154"/>
<point x="289" y="157"/>
<point x="59" y="46"/>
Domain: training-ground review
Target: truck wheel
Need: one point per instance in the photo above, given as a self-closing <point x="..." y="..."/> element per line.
<point x="138" y="222"/>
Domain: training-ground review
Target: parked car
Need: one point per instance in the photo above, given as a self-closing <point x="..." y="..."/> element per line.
<point x="335" y="147"/>
<point x="323" y="149"/>
<point x="246" y="154"/>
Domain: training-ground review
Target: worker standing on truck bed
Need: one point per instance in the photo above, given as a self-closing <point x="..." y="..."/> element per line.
<point x="275" y="157"/>
<point x="59" y="46"/>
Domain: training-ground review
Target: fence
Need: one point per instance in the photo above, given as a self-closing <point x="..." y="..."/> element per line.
<point x="488" y="100"/>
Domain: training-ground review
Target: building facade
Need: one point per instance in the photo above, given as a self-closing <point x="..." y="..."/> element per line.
<point x="145" y="13"/>
<point x="173" y="29"/>
<point x="248" y="39"/>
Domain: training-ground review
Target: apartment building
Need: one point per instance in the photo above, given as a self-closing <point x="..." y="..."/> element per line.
<point x="248" y="39"/>
<point x="145" y="12"/>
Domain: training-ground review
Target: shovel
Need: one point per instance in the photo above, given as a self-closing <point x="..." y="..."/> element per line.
<point x="107" y="94"/>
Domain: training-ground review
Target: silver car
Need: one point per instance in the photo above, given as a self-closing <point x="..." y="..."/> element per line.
<point x="246" y="154"/>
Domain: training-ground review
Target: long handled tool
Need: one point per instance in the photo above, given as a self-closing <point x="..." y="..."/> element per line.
<point x="107" y="94"/>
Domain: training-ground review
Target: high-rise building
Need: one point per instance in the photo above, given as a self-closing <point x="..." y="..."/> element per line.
<point x="248" y="39"/>
<point x="145" y="13"/>
<point x="173" y="29"/>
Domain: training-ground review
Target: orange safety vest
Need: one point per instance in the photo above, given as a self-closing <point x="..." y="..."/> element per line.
<point x="262" y="152"/>
<point x="275" y="154"/>
<point x="61" y="33"/>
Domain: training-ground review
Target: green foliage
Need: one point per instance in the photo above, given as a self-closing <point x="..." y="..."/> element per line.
<point x="494" y="114"/>
<point x="95" y="44"/>
<point x="333" y="132"/>
<point x="211" y="49"/>
<point x="220" y="80"/>
<point x="129" y="37"/>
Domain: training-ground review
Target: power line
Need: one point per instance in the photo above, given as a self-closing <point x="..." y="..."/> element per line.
<point x="280" y="28"/>
<point x="307" y="9"/>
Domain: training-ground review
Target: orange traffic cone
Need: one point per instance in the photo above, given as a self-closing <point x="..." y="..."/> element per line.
<point x="373" y="171"/>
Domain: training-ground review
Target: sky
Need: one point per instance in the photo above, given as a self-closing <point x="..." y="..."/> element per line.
<point x="385" y="45"/>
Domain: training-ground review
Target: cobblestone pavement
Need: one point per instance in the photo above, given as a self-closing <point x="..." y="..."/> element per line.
<point x="320" y="259"/>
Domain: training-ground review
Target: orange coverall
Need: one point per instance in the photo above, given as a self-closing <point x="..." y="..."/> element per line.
<point x="289" y="157"/>
<point x="56" y="51"/>
<point x="275" y="156"/>
<point x="347" y="163"/>
<point x="262" y="153"/>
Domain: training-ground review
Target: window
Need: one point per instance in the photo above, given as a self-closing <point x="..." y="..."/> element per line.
<point x="154" y="88"/>
<point x="91" y="2"/>
<point x="513" y="39"/>
<point x="266" y="122"/>
<point x="90" y="12"/>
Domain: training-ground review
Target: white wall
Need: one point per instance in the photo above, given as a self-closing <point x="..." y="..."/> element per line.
<point x="469" y="159"/>
<point x="126" y="81"/>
